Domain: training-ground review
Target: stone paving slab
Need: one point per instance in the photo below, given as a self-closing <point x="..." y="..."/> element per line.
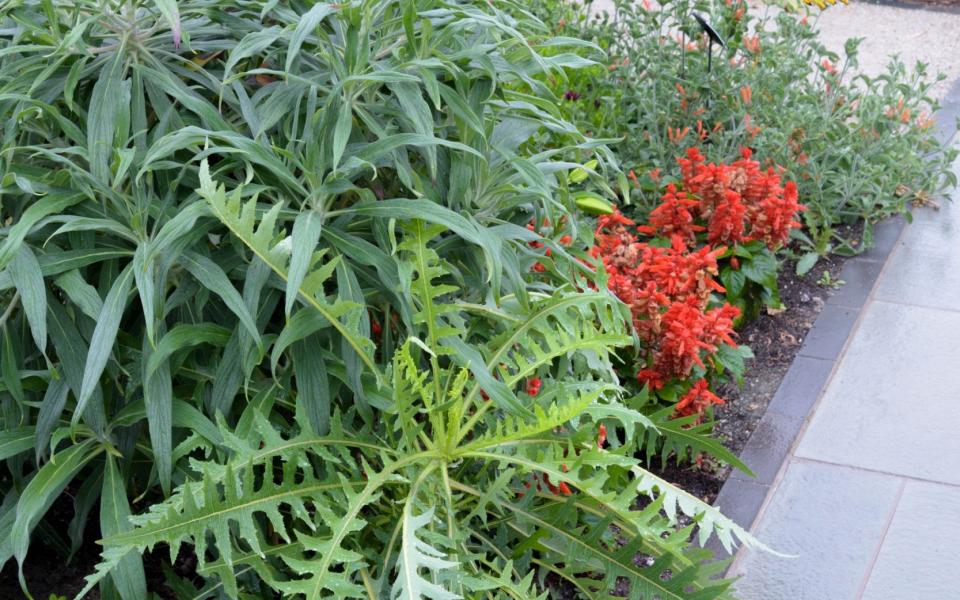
<point x="893" y="405"/>
<point x="870" y="496"/>
<point x="833" y="518"/>
<point x="918" y="558"/>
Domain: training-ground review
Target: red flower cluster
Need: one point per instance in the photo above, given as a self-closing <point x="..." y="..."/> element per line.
<point x="668" y="290"/>
<point x="697" y="400"/>
<point x="735" y="203"/>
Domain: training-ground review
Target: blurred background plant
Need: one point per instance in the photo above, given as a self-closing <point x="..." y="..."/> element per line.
<point x="859" y="148"/>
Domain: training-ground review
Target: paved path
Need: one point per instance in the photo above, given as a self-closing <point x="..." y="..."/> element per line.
<point x="870" y="496"/>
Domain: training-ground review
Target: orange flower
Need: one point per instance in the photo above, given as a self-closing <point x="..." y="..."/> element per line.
<point x="751" y="44"/>
<point x="676" y="135"/>
<point x="746" y="94"/>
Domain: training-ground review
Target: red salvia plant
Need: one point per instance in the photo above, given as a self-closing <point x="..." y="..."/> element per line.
<point x="670" y="288"/>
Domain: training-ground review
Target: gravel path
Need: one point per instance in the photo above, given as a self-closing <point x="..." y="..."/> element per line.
<point x="929" y="36"/>
<point x="915" y="34"/>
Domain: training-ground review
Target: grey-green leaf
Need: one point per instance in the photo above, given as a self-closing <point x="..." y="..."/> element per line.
<point x="306" y="235"/>
<point x="25" y="271"/>
<point x="307" y="24"/>
<point x="128" y="575"/>
<point x="211" y="276"/>
<point x="104" y="335"/>
<point x="102" y="117"/>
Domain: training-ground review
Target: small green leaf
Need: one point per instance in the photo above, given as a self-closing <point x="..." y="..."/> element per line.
<point x="806" y="262"/>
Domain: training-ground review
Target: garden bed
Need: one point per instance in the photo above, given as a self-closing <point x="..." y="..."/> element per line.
<point x="775" y="339"/>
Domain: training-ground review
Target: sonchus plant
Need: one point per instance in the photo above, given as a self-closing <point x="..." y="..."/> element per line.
<point x="470" y="480"/>
<point x="268" y="298"/>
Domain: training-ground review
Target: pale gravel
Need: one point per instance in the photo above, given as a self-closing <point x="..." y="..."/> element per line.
<point x="924" y="35"/>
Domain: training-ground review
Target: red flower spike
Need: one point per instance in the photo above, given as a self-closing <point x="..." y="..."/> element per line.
<point x="601" y="436"/>
<point x="565" y="489"/>
<point x="698" y="399"/>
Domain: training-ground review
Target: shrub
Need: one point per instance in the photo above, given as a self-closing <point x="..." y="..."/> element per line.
<point x="269" y="288"/>
<point x="859" y="148"/>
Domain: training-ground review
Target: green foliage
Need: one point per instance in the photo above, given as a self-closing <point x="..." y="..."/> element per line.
<point x="263" y="264"/>
<point x="860" y="148"/>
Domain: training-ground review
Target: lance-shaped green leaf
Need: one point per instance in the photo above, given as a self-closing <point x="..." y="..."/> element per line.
<point x="102" y="117"/>
<point x="169" y="10"/>
<point x="128" y="575"/>
<point x="43" y="489"/>
<point x="212" y="277"/>
<point x="25" y="271"/>
<point x="306" y="235"/>
<point x="104" y="335"/>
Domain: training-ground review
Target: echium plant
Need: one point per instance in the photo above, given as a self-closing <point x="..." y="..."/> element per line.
<point x="334" y="380"/>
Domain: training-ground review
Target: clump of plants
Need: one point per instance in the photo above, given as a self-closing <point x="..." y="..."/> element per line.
<point x="859" y="148"/>
<point x="271" y="306"/>
<point x="721" y="222"/>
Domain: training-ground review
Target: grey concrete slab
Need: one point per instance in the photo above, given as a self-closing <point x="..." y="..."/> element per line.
<point x="740" y="501"/>
<point x="830" y="332"/>
<point x="918" y="557"/>
<point x="925" y="269"/>
<point x="859" y="276"/>
<point x="885" y="235"/>
<point x="801" y="387"/>
<point x="768" y="447"/>
<point x="892" y="403"/>
<point x="833" y="518"/>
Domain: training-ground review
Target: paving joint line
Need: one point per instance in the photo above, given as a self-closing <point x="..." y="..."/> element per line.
<point x="883" y="538"/>
<point x="912" y="305"/>
<point x="914" y="478"/>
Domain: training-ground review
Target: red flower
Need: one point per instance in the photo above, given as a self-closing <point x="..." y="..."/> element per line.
<point x="726" y="226"/>
<point x="601" y="436"/>
<point x="698" y="399"/>
<point x="673" y="216"/>
<point x="533" y="386"/>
